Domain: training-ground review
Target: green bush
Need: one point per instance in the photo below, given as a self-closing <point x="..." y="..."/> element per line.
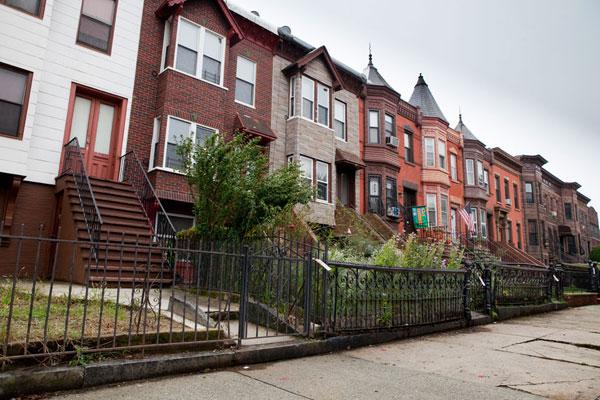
<point x="595" y="254"/>
<point x="388" y="255"/>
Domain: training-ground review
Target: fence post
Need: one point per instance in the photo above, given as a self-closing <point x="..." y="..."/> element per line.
<point x="597" y="276"/>
<point x="592" y="272"/>
<point x="466" y="295"/>
<point x="550" y="283"/>
<point x="487" y="280"/>
<point x="245" y="261"/>
<point x="325" y="295"/>
<point x="560" y="274"/>
<point x="307" y="291"/>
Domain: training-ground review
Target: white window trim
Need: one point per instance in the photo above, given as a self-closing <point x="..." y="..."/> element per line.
<point x="446" y="199"/>
<point x="453" y="167"/>
<point x="471" y="174"/>
<point x="444" y="154"/>
<point x="432" y="224"/>
<point x="166" y="42"/>
<point x="253" y="106"/>
<point x="369" y="126"/>
<point x="483" y="223"/>
<point x="316" y="180"/>
<point x="200" y="59"/>
<point x="155" y="136"/>
<point x="425" y="162"/>
<point x="345" y="139"/>
<point x="194" y="125"/>
<point x="302" y="98"/>
<point x="319" y="85"/>
<point x="292" y="101"/>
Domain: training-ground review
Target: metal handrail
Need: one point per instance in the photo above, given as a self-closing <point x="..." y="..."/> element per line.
<point x="135" y="174"/>
<point x="73" y="161"/>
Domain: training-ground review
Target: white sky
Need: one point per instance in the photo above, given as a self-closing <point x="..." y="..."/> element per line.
<point x="525" y="73"/>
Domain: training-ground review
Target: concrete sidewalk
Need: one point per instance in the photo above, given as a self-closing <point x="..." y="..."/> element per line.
<point x="554" y="355"/>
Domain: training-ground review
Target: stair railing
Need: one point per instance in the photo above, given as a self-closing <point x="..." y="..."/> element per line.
<point x="73" y="163"/>
<point x="133" y="173"/>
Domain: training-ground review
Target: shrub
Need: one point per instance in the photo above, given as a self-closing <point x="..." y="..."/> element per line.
<point x="388" y="255"/>
<point x="595" y="254"/>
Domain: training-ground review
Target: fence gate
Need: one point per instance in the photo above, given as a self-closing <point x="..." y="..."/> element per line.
<point x="279" y="290"/>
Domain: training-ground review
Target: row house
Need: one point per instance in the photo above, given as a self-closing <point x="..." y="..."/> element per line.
<point x="67" y="70"/>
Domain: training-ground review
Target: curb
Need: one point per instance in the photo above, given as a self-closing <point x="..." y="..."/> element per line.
<point x="44" y="380"/>
<point x="508" y="312"/>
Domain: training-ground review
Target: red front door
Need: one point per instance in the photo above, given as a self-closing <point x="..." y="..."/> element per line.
<point x="94" y="124"/>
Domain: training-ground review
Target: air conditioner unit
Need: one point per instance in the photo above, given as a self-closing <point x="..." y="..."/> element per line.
<point x="393" y="212"/>
<point x="391" y="141"/>
<point x="508" y="202"/>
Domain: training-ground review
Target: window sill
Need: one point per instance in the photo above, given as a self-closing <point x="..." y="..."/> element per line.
<point x="96" y="49"/>
<point x="166" y="169"/>
<point x="311" y="121"/>
<point x="19" y="136"/>
<point x="410" y="163"/>
<point x="322" y="201"/>
<point x="39" y="16"/>
<point x="194" y="77"/>
<point x="342" y="140"/>
<point x="245" y="105"/>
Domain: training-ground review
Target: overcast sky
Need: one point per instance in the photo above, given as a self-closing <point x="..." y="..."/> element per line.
<point x="525" y="73"/>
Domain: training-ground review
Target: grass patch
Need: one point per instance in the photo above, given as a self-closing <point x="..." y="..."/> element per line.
<point x="575" y="290"/>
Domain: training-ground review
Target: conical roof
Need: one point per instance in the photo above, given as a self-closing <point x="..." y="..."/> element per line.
<point x="374" y="77"/>
<point x="462" y="128"/>
<point x="422" y="97"/>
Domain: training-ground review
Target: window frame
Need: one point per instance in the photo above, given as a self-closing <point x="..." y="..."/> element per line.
<point x="318" y="86"/>
<point x="394" y="194"/>
<point x="370" y="113"/>
<point x="498" y="188"/>
<point x="433" y="196"/>
<point x="507" y="197"/>
<point x="292" y="97"/>
<point x="108" y="51"/>
<point x="486" y="180"/>
<point x="479" y="174"/>
<point x="442" y="155"/>
<point x="409" y="151"/>
<point x="39" y="14"/>
<point x="533" y="235"/>
<point x="470" y="173"/>
<point x="200" y="52"/>
<point x="516" y="195"/>
<point x="569" y="214"/>
<point x="24" y="105"/>
<point x="316" y="164"/>
<point x="426" y="163"/>
<point x="453" y="167"/>
<point x="392" y="132"/>
<point x="378" y="197"/>
<point x="344" y="122"/>
<point x="302" y="97"/>
<point x="195" y="125"/>
<point x="166" y="44"/>
<point x="253" y="105"/>
<point x="483" y="226"/>
<point x="444" y="200"/>
<point x="170" y="214"/>
<point x="529" y="195"/>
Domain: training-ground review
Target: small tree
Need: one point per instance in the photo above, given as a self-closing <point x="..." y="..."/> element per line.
<point x="234" y="193"/>
<point x="595" y="254"/>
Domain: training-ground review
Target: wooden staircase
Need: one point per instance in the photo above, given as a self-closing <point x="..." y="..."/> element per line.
<point x="126" y="253"/>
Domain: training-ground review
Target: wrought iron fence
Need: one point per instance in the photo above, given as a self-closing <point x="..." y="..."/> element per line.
<point x="516" y="285"/>
<point x="133" y="172"/>
<point x="364" y="297"/>
<point x="73" y="163"/>
<point x="580" y="278"/>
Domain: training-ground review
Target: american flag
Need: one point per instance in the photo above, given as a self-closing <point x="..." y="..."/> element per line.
<point x="465" y="214"/>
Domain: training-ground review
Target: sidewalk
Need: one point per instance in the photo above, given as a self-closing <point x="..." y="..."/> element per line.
<point x="554" y="355"/>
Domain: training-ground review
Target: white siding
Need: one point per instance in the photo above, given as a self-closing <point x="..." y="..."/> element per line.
<point x="48" y="49"/>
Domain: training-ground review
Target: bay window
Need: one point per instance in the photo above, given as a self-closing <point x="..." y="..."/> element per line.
<point x="245" y="81"/>
<point x="486" y="180"/>
<point x="179" y="130"/>
<point x="444" y="210"/>
<point x="389" y="126"/>
<point x="316" y="174"/>
<point x="96" y="24"/>
<point x="480" y="173"/>
<point x="529" y="193"/>
<point x="323" y="105"/>
<point x="306" y="166"/>
<point x="339" y="120"/>
<point x="429" y="152"/>
<point x="470" y="171"/>
<point x="391" y="196"/>
<point x="375" y="194"/>
<point x="200" y="52"/>
<point x="322" y="181"/>
<point x="483" y="223"/>
<point x="308" y="98"/>
<point x="442" y="154"/>
<point x="474" y="214"/>
<point x="373" y="126"/>
<point x="432" y="209"/>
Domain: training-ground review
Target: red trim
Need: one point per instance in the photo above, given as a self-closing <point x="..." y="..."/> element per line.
<point x="40" y="13"/>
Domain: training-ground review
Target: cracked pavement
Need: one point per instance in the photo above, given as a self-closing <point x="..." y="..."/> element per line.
<point x="554" y="355"/>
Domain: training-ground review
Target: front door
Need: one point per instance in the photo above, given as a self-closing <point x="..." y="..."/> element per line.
<point x="94" y="124"/>
<point x="410" y="200"/>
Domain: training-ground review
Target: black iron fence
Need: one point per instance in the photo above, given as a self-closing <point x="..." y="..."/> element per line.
<point x="581" y="277"/>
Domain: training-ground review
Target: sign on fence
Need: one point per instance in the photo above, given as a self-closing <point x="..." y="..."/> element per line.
<point x="420" y="219"/>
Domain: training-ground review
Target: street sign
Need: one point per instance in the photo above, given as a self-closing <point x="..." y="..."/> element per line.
<point x="420" y="217"/>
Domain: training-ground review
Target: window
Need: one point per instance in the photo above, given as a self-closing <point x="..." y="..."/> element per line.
<point x="568" y="211"/>
<point x="179" y="130"/>
<point x="516" y="194"/>
<point x="322" y="181"/>
<point x="180" y="222"/>
<point x="373" y="126"/>
<point x="245" y="81"/>
<point x="194" y="40"/>
<point x="486" y="180"/>
<point x="453" y="167"/>
<point x="306" y="166"/>
<point x="480" y="181"/>
<point x="308" y="98"/>
<point x="155" y="140"/>
<point x="33" y="7"/>
<point x="533" y="232"/>
<point x="506" y="191"/>
<point x="498" y="190"/>
<point x="519" y="240"/>
<point x="375" y="194"/>
<point x="483" y="223"/>
<point x="474" y="216"/>
<point x="391" y="196"/>
<point x="432" y="209"/>
<point x="429" y="152"/>
<point x="96" y="24"/>
<point x="390" y="129"/>
<point x="470" y="171"/>
<point x="409" y="154"/>
<point x="15" y="84"/>
<point x="529" y="193"/>
<point x="442" y="154"/>
<point x="453" y="221"/>
<point x="323" y="105"/>
<point x="339" y="120"/>
<point x="166" y="44"/>
<point x="444" y="210"/>
<point x="292" y="96"/>
<point x="509" y="231"/>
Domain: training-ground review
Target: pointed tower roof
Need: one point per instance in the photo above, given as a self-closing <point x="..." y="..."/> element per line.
<point x="462" y="128"/>
<point x="373" y="76"/>
<point x="422" y="97"/>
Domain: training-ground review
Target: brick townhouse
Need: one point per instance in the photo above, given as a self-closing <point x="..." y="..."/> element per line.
<point x="67" y="70"/>
<point x="203" y="68"/>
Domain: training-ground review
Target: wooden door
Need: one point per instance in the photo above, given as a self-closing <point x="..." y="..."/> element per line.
<point x="94" y="124"/>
